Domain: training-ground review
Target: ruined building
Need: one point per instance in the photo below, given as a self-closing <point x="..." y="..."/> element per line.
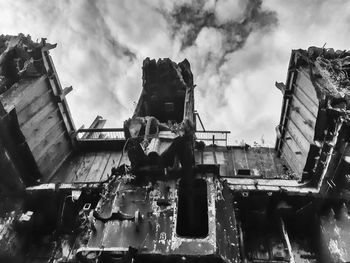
<point x="161" y="188"/>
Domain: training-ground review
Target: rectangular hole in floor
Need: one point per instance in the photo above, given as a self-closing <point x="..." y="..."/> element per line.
<point x="192" y="217"/>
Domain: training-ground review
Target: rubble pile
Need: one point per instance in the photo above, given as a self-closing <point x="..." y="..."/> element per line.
<point x="330" y="69"/>
<point x="162" y="114"/>
<point x="20" y="57"/>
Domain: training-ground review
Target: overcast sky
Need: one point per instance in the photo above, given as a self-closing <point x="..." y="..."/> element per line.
<point x="237" y="50"/>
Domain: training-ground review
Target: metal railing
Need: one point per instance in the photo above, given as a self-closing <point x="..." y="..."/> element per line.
<point x="103" y="134"/>
<point x="213" y="137"/>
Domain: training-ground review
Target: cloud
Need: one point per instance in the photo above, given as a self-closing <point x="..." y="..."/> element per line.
<point x="237" y="50"/>
<point x="235" y="20"/>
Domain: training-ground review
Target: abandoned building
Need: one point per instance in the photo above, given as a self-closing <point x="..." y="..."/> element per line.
<point x="161" y="188"/>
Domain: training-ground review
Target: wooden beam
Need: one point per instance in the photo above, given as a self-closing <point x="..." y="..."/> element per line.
<point x="52" y="187"/>
<point x="61" y="96"/>
<point x="286" y="238"/>
<point x="57" y="91"/>
<point x="54" y="156"/>
<point x="37" y="104"/>
<point x="23" y="93"/>
<point x="98" y="123"/>
<point x="50" y="138"/>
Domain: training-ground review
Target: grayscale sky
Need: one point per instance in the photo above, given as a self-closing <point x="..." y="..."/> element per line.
<point x="237" y="50"/>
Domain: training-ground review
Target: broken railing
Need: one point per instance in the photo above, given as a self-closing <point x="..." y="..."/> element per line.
<point x="102" y="134"/>
<point x="105" y="134"/>
<point x="213" y="137"/>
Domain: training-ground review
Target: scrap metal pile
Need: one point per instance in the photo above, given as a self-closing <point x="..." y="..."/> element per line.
<point x="163" y="121"/>
<point x="158" y="195"/>
<point x="164" y="208"/>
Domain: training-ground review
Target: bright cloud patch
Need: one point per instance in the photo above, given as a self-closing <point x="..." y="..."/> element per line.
<point x="237" y="49"/>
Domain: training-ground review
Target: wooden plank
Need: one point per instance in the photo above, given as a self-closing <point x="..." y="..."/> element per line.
<point x="300" y="156"/>
<point x="37" y="118"/>
<point x="220" y="158"/>
<point x="299" y="122"/>
<point x="23" y="94"/>
<point x="303" y="81"/>
<point x="304" y="111"/>
<point x="55" y="85"/>
<point x="263" y="182"/>
<point x="48" y="140"/>
<point x="299" y="93"/>
<point x="198" y="156"/>
<point x="37" y="127"/>
<point x="96" y="172"/>
<point x="266" y="163"/>
<point x="68" y="170"/>
<point x="85" y="167"/>
<point x="35" y="106"/>
<point x="289" y="156"/>
<point x="10" y="177"/>
<point x="240" y="159"/>
<point x="279" y="164"/>
<point x="304" y="148"/>
<point x="304" y="140"/>
<point x="254" y="161"/>
<point x="54" y="156"/>
<point x="230" y="170"/>
<point x="299" y="160"/>
<point x="233" y="161"/>
<point x="60" y="176"/>
<point x="112" y="162"/>
<point x="272" y="172"/>
<point x="208" y="157"/>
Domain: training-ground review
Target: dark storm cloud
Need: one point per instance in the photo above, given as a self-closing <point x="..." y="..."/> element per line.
<point x="230" y="25"/>
<point x="93" y="22"/>
<point x="120" y="50"/>
<point x="188" y="19"/>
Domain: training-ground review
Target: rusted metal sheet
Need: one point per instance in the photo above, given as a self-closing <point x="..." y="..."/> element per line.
<point x="148" y="218"/>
